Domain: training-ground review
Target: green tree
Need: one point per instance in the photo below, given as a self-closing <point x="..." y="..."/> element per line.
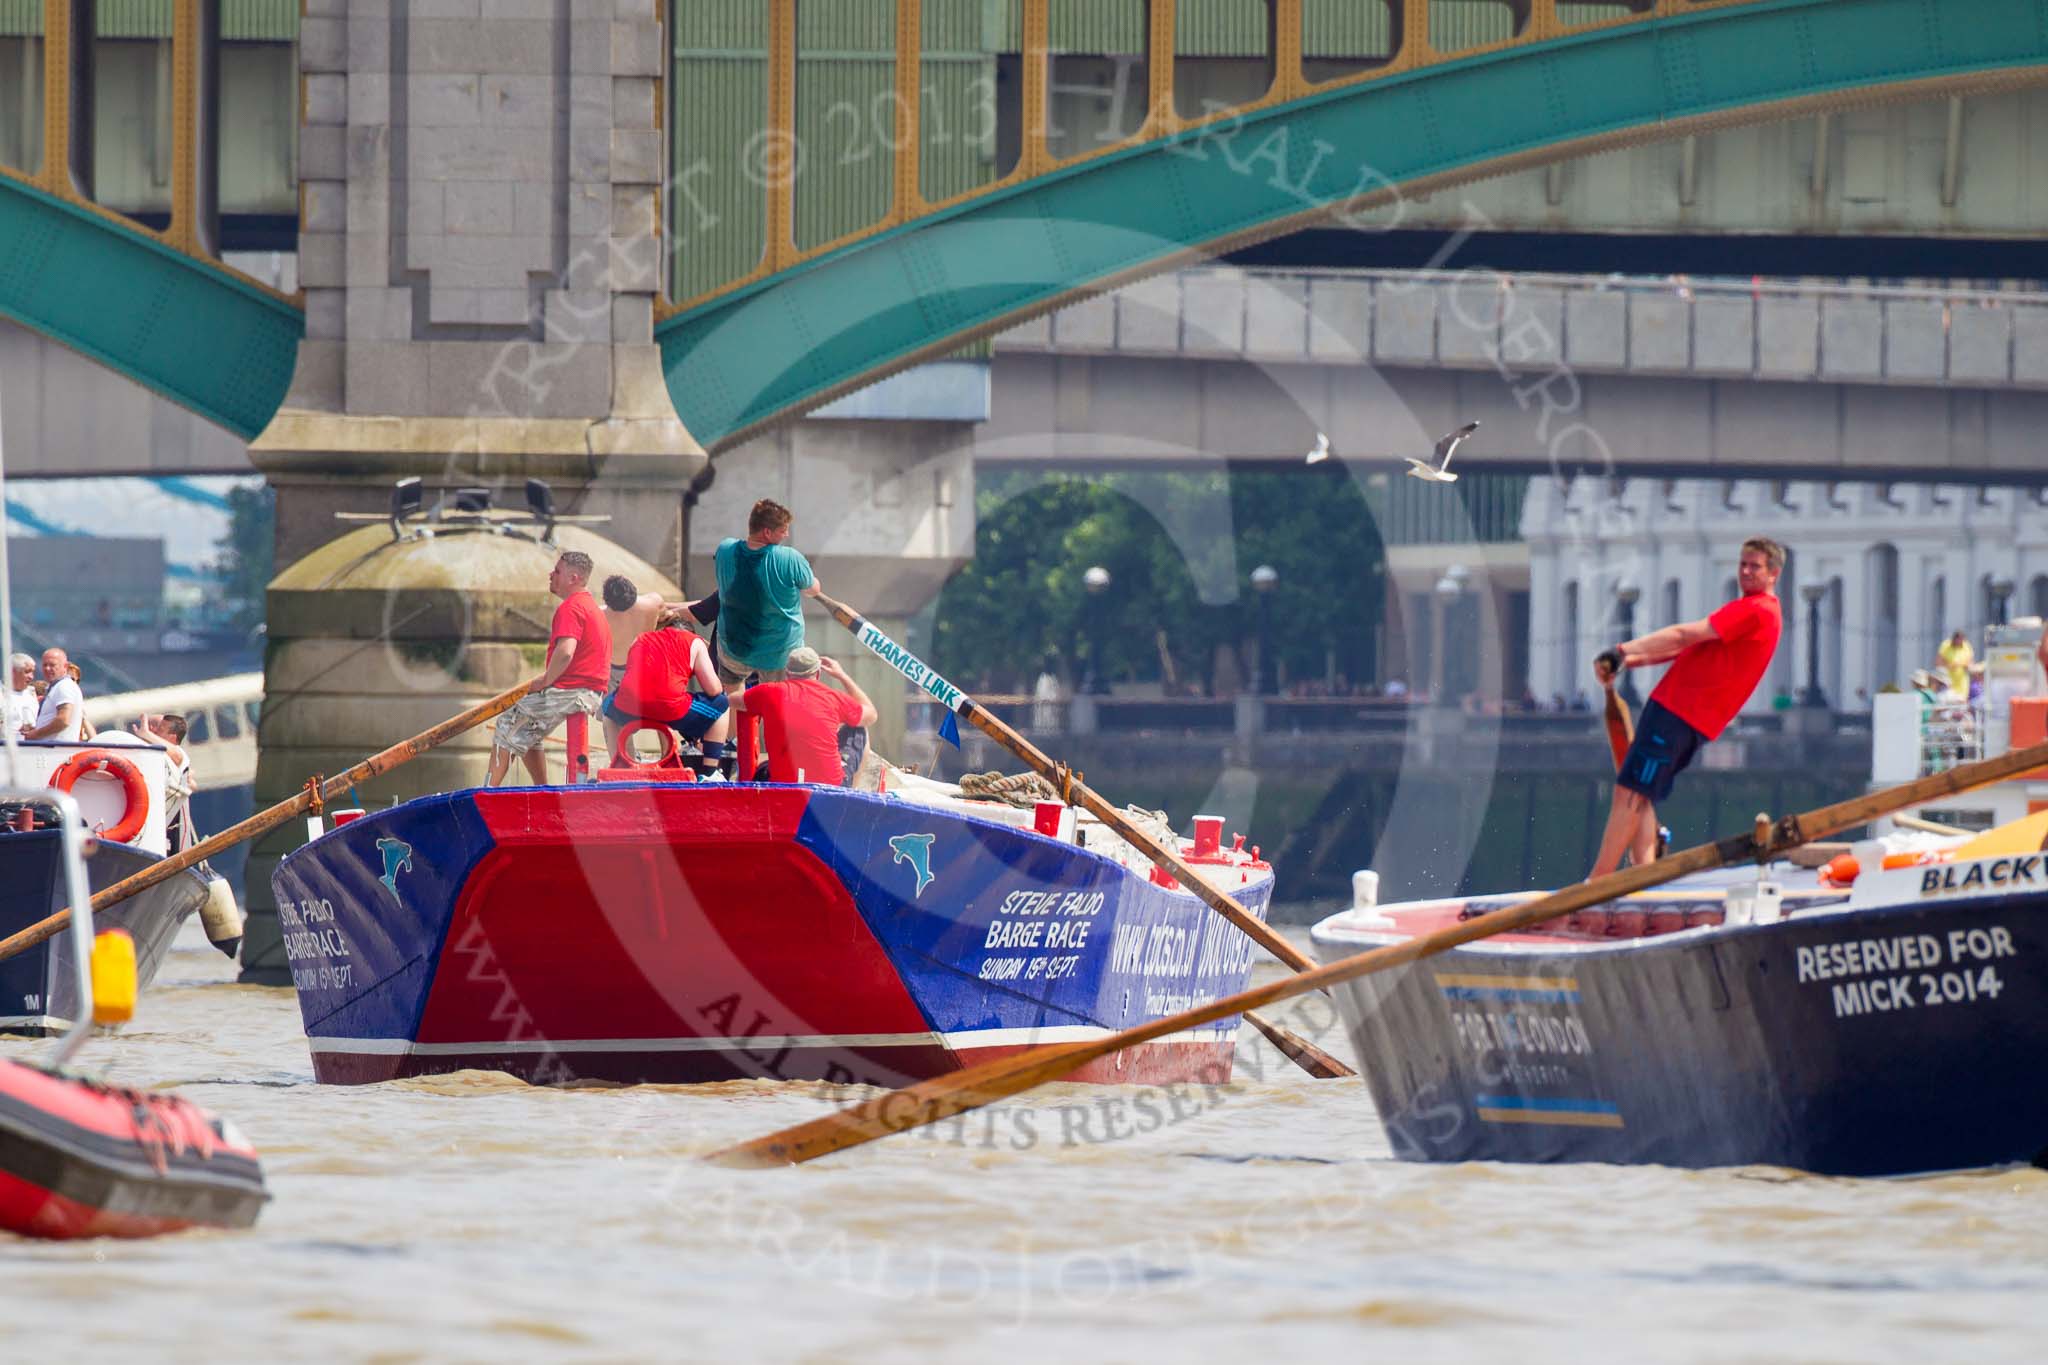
<point x="1179" y="548"/>
<point x="248" y="552"/>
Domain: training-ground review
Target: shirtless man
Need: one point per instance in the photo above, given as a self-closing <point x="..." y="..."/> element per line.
<point x="168" y="731"/>
<point x="630" y="613"/>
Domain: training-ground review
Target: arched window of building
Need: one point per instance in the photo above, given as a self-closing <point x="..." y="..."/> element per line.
<point x="1997" y="607"/>
<point x="1564" y="673"/>
<point x="1788" y="666"/>
<point x="1938" y="628"/>
<point x="1834" y="674"/>
<point x="1883" y="596"/>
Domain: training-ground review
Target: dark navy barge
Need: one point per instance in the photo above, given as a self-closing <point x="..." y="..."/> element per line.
<point x="1894" y="1030"/>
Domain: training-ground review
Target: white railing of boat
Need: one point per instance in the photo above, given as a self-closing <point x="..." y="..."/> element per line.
<point x="1951" y="732"/>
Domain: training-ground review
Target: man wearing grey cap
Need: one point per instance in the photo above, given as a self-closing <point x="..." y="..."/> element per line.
<point x="802" y="717"/>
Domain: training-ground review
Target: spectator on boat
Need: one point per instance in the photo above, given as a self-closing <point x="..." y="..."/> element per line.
<point x="1955" y="657"/>
<point x="22" y="701"/>
<point x="169" y="732"/>
<point x="656" y="686"/>
<point x="1716" y="664"/>
<point x="762" y="582"/>
<point x="802" y="718"/>
<point x="86" y="729"/>
<point x="628" y="613"/>
<point x="579" y="654"/>
<point x="63" y="707"/>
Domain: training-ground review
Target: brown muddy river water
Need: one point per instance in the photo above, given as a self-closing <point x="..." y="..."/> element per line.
<point x="471" y="1218"/>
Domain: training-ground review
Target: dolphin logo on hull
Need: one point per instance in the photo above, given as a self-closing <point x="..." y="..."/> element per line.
<point x="397" y="858"/>
<point x="915" y="849"/>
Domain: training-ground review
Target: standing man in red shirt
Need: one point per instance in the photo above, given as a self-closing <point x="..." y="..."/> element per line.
<point x="1716" y="663"/>
<point x="802" y="717"/>
<point x="579" y="656"/>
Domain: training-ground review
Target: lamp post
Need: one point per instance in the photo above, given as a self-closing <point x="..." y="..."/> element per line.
<point x="1626" y="596"/>
<point x="1265" y="578"/>
<point x="2001" y="595"/>
<point x="1449" y="589"/>
<point x="1096" y="580"/>
<point x="1813" y="593"/>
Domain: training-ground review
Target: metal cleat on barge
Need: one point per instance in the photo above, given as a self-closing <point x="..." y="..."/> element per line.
<point x="636" y="931"/>
<point x="1887" y="1026"/>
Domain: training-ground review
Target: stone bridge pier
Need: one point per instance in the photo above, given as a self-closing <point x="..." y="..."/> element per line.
<point x="481" y="254"/>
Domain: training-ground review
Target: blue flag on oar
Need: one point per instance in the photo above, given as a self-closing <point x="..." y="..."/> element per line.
<point x="949" y="728"/>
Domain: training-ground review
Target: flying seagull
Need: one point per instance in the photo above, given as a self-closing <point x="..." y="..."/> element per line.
<point x="1437" y="469"/>
<point x="1322" y="450"/>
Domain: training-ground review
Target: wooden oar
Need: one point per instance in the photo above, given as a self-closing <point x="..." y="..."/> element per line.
<point x="1621" y="726"/>
<point x="1930" y="826"/>
<point x="265" y="820"/>
<point x="1072" y="790"/>
<point x="943" y="1096"/>
<point x="1621" y="733"/>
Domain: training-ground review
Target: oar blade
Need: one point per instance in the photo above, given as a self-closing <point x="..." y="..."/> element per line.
<point x="1621" y="729"/>
<point x="1299" y="1050"/>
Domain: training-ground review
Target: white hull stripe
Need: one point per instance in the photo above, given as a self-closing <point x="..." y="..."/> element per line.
<point x="10" y="1022"/>
<point x="995" y="1037"/>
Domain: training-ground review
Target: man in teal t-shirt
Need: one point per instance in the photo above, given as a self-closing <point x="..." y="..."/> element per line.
<point x="761" y="584"/>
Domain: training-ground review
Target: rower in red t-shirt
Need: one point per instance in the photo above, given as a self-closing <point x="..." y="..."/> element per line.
<point x="1716" y="663"/>
<point x="802" y="717"/>
<point x="578" y="668"/>
<point x="655" y="685"/>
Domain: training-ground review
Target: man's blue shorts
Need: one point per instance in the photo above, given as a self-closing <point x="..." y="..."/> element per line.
<point x="691" y="725"/>
<point x="1664" y="747"/>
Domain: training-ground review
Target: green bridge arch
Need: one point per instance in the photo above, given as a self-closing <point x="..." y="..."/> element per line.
<point x="793" y="340"/>
<point x="202" y="336"/>
<point x="190" y="329"/>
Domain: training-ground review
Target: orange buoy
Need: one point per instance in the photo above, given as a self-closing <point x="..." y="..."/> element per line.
<point x="1841" y="870"/>
<point x="106" y="763"/>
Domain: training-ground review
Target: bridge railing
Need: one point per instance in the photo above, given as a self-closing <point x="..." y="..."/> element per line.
<point x="1482" y="319"/>
<point x="798" y="129"/>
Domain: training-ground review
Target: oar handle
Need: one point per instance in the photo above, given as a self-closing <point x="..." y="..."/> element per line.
<point x="1069" y="785"/>
<point x="270" y="818"/>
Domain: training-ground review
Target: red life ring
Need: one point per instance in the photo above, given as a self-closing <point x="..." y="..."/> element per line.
<point x="106" y="763"/>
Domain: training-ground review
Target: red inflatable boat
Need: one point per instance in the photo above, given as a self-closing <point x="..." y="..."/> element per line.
<point x="81" y="1159"/>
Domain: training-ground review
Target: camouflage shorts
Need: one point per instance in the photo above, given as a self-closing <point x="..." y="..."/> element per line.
<point x="534" y="717"/>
